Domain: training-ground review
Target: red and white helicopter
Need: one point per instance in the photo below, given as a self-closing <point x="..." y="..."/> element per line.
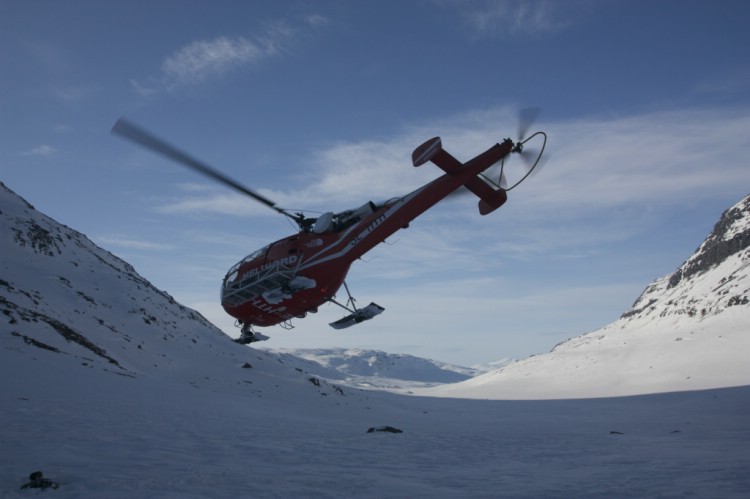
<point x="293" y="276"/>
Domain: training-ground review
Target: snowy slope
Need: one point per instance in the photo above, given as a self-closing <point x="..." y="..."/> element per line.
<point x="114" y="390"/>
<point x="689" y="330"/>
<point x="61" y="294"/>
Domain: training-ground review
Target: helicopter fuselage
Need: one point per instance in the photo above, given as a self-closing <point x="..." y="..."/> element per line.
<point x="295" y="275"/>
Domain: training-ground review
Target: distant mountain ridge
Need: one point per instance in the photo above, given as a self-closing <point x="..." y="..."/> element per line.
<point x="687" y="330"/>
<point x="366" y="368"/>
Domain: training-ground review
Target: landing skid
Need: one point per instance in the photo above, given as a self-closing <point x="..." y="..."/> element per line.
<point x="358" y="316"/>
<point x="247" y="336"/>
<point x="355" y="315"/>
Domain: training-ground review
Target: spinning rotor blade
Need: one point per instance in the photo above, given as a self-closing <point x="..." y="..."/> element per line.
<point x="534" y="160"/>
<point x="503" y="181"/>
<point x="529" y="157"/>
<point x="526" y="118"/>
<point x="149" y="141"/>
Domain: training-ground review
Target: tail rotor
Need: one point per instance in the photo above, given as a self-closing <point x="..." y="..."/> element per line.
<point x="529" y="156"/>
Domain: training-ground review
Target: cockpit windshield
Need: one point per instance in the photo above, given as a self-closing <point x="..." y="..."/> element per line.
<point x="233" y="272"/>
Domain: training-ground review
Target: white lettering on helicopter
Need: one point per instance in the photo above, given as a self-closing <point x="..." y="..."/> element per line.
<point x="267" y="308"/>
<point x="286" y="262"/>
<point x="371" y="227"/>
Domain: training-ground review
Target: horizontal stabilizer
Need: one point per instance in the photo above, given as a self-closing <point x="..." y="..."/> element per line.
<point x="358" y="316"/>
<point x="490" y="198"/>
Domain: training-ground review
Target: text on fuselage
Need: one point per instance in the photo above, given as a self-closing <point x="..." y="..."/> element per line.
<point x="371" y="227"/>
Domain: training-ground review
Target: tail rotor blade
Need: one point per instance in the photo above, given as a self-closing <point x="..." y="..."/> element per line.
<point x="529" y="157"/>
<point x="526" y="117"/>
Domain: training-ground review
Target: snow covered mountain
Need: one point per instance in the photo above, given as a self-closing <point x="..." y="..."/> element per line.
<point x="688" y="330"/>
<point x="63" y="297"/>
<point x="374" y="369"/>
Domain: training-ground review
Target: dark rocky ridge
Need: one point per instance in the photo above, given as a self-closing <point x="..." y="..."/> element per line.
<point x="724" y="241"/>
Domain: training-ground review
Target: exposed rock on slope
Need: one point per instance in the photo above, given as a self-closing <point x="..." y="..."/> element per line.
<point x="731" y="235"/>
<point x="713" y="279"/>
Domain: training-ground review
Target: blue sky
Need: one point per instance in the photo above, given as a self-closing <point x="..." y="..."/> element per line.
<point x="318" y="106"/>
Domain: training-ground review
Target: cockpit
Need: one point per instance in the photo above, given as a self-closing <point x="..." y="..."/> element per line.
<point x="325" y="224"/>
<point x="234" y="271"/>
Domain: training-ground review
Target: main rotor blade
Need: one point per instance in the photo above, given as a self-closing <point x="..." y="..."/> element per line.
<point x="149" y="141"/>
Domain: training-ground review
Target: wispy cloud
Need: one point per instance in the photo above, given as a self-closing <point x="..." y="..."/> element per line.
<point x="200" y="60"/>
<point x="203" y="60"/>
<point x="208" y="199"/>
<point x="517" y="17"/>
<point x="41" y="150"/>
<point x="216" y="202"/>
<point x="122" y="241"/>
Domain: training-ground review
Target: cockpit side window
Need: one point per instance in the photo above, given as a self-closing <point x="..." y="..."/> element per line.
<point x="256" y="254"/>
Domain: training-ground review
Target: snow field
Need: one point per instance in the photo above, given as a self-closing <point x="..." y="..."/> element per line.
<point x="105" y="435"/>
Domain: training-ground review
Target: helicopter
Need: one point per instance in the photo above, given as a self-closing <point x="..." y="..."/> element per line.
<point x="292" y="277"/>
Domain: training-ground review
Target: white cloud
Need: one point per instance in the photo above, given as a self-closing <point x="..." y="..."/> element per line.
<point x="517" y="17"/>
<point x="221" y="203"/>
<point x="659" y="158"/>
<point x="201" y="60"/>
<point x="205" y="199"/>
<point x="123" y="241"/>
<point x="197" y="61"/>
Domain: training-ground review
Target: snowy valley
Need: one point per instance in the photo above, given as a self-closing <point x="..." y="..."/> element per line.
<point x="113" y="389"/>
